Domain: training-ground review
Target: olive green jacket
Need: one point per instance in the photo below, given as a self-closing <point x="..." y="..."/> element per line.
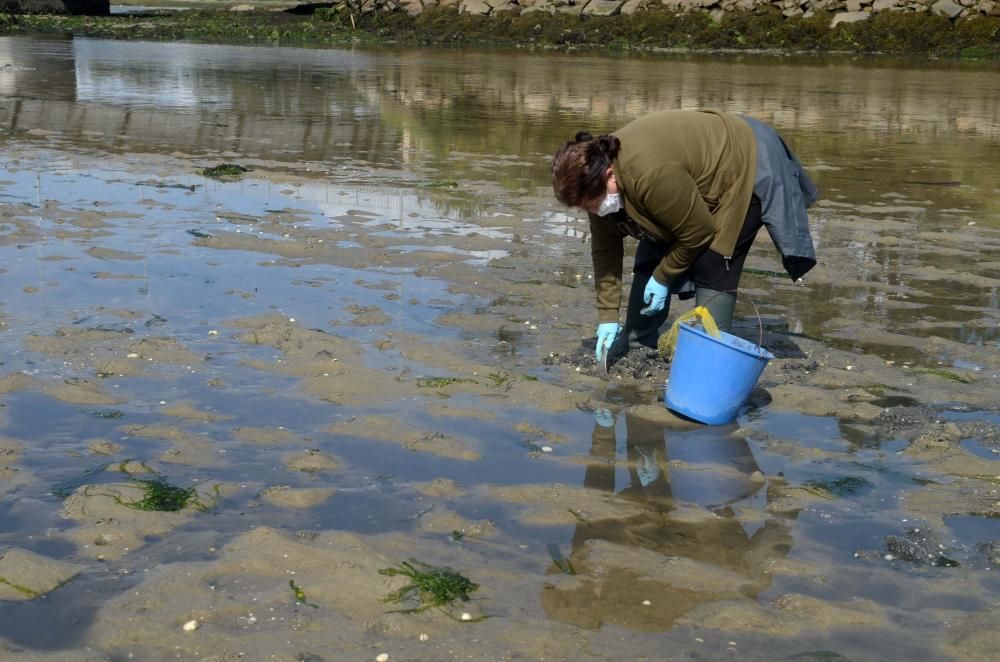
<point x="685" y="177"/>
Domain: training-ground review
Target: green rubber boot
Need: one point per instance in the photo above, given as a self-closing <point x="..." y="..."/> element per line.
<point x="641" y="330"/>
<point x="720" y="304"/>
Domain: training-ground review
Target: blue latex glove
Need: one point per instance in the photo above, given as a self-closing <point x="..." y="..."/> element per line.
<point x="655" y="297"/>
<point x="604" y="418"/>
<point x="606" y="334"/>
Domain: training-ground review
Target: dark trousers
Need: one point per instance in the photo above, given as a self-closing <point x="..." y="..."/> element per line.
<point x="711" y="273"/>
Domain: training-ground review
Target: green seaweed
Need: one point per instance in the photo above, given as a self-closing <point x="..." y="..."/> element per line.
<point x="300" y="595"/>
<point x="144" y="468"/>
<point x="818" y="491"/>
<point x="943" y="561"/>
<point x="225" y="170"/>
<point x="944" y="374"/>
<point x="563" y="563"/>
<point x="456" y="535"/>
<point x="578" y="516"/>
<point x="430" y="587"/>
<point x="162" y="497"/>
<point x="111" y="414"/>
<point x="199" y="234"/>
<point x="152" y="183"/>
<point x="840" y="487"/>
<point x="441" y="382"/>
<point x="499" y="379"/>
<point x="876" y="389"/>
<point x="17" y="587"/>
<point x="442" y="183"/>
<point x="763" y="272"/>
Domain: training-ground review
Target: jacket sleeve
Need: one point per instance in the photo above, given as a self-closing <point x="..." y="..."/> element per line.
<point x="607" y="252"/>
<point x="672" y="200"/>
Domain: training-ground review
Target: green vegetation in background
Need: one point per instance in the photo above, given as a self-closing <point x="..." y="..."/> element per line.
<point x="901" y="33"/>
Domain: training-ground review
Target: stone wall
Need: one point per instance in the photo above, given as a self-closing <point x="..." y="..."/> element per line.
<point x="842" y="11"/>
<point x="87" y="7"/>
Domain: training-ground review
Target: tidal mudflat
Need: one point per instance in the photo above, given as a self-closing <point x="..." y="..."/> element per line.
<point x="231" y="404"/>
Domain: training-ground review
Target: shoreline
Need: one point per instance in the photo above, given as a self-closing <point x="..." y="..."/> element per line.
<point x="650" y="33"/>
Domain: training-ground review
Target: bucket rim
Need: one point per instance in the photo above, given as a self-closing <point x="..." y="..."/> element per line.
<point x="761" y="353"/>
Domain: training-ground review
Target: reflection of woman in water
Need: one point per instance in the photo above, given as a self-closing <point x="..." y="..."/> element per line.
<point x="606" y="593"/>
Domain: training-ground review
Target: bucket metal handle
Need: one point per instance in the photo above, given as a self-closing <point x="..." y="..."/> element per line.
<point x="760" y="322"/>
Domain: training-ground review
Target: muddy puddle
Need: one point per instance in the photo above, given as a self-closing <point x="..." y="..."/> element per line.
<point x="229" y="403"/>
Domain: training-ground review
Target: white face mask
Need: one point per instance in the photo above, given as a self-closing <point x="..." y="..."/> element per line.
<point x="611" y="203"/>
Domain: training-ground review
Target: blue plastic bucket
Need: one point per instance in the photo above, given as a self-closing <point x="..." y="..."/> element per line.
<point x="711" y="378"/>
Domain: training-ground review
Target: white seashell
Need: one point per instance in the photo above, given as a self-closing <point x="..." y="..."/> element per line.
<point x="191" y="626"/>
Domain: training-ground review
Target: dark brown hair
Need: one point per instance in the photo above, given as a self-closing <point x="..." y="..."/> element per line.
<point x="579" y="165"/>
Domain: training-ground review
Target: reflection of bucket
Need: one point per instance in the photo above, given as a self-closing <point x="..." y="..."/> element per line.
<point x="711" y="378"/>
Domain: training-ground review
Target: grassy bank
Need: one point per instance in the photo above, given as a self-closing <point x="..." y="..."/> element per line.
<point x="895" y="33"/>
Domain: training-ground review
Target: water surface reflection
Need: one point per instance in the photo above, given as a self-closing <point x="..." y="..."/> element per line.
<point x="646" y="571"/>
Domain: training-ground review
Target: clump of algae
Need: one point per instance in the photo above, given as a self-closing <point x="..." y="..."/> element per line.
<point x="225" y="170"/>
<point x="429" y="587"/>
<point x="158" y="495"/>
<point x="161" y="496"/>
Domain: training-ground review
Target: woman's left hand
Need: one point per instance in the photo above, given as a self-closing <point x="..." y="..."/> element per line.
<point x="655" y="297"/>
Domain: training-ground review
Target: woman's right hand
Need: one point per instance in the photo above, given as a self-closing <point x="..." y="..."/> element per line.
<point x="606" y="334"/>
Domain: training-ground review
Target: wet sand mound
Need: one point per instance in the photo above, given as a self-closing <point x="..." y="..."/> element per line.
<point x="383" y="428"/>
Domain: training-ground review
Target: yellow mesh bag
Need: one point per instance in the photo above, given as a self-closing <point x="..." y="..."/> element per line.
<point x="668" y="341"/>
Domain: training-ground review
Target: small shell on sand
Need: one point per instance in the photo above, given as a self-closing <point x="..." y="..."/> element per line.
<point x="191" y="626"/>
<point x="382" y="657"/>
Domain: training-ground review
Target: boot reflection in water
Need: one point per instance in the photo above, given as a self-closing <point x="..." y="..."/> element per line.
<point x="619" y="562"/>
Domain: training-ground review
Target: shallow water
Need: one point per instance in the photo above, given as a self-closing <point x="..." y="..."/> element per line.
<point x="396" y="226"/>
